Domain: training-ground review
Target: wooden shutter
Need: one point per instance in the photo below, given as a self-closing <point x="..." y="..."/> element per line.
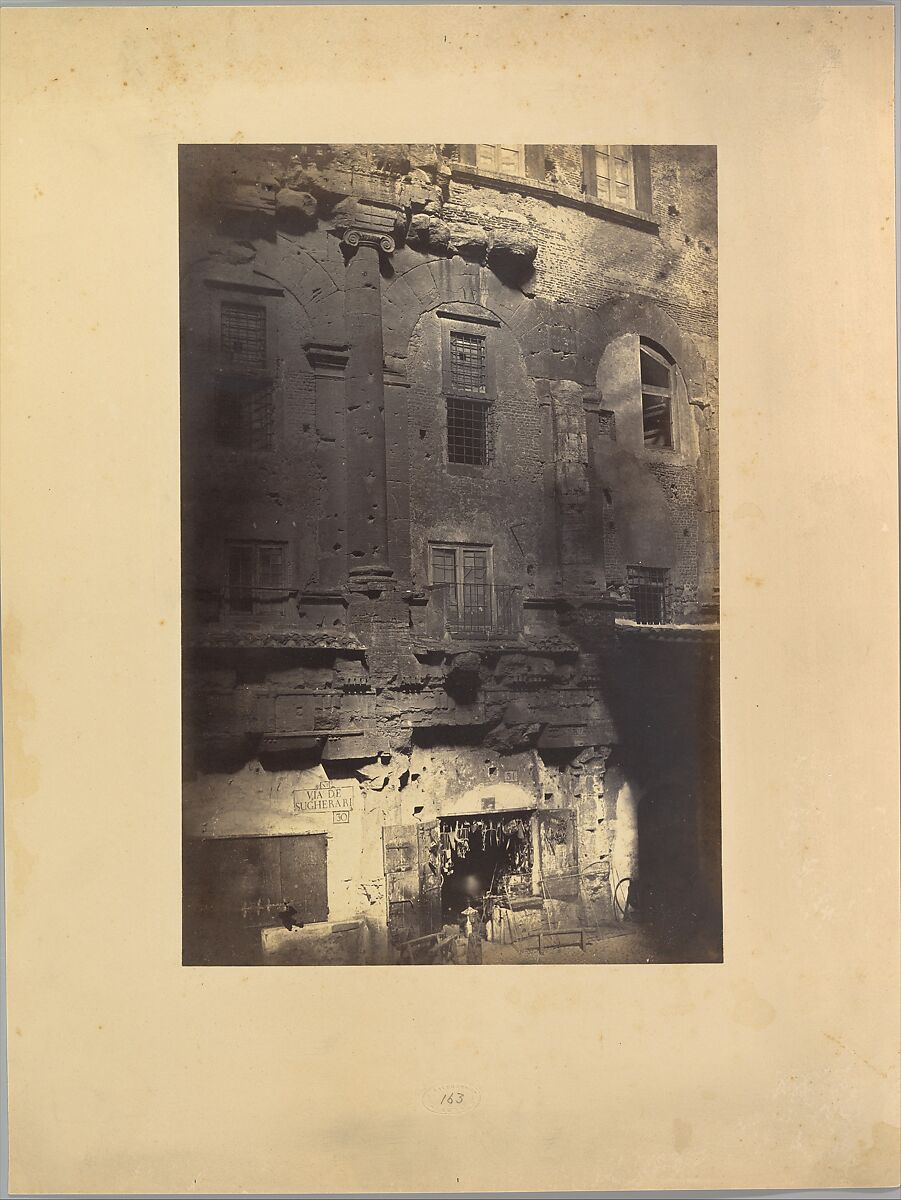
<point x="641" y="164"/>
<point x="589" y="171"/>
<point x="558" y="855"/>
<point x="467" y="154"/>
<point x="487" y="156"/>
<point x="303" y="874"/>
<point x="535" y="162"/>
<point x="429" y="877"/>
<point x="252" y="877"/>
<point x="400" y="846"/>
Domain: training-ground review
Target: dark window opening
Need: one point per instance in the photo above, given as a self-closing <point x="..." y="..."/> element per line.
<point x="245" y="415"/>
<point x="243" y="336"/>
<point x="657" y="385"/>
<point x="649" y="587"/>
<point x="468" y="432"/>
<point x="256" y="578"/>
<point x="607" y="424"/>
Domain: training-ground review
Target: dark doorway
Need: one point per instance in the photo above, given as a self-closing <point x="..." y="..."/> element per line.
<point x="490" y="853"/>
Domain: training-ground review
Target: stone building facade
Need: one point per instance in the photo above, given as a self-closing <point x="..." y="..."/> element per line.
<point x="449" y="428"/>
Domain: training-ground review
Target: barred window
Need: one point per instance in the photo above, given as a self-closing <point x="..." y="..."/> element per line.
<point x="468" y="439"/>
<point x="468" y="364"/>
<point x="245" y="415"/>
<point x="255" y="577"/>
<point x="243" y="336"/>
<point x="649" y="587"/>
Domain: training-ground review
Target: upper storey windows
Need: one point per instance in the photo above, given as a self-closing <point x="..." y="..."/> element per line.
<point x="505" y="160"/>
<point x="601" y="176"/>
<point x="614" y="174"/>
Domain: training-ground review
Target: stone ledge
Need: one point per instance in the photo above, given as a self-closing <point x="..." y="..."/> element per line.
<point x="457" y="646"/>
<point x="667" y="633"/>
<point x="272" y="639"/>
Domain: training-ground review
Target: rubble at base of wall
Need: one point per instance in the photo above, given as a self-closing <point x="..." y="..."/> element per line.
<point x="324" y="943"/>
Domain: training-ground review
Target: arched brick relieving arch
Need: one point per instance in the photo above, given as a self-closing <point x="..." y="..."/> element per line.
<point x="441" y="281"/>
<point x="635" y="314"/>
<point x="300" y="276"/>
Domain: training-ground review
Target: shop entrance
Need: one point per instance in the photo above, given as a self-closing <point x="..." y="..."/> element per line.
<point x="489" y="853"/>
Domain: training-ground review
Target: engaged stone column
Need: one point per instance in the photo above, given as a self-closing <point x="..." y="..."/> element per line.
<point x="368" y="233"/>
<point x="330" y="364"/>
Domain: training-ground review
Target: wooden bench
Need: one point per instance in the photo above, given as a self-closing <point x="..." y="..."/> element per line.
<point x="428" y="948"/>
<point x="545" y="934"/>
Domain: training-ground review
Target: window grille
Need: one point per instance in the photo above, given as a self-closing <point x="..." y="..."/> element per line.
<point x="468" y="432"/>
<point x="649" y="587"/>
<point x="245" y="415"/>
<point x="468" y="373"/>
<point x="256" y="577"/>
<point x="243" y="336"/>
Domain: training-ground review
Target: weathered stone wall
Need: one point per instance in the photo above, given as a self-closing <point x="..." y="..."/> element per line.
<point x="357" y="674"/>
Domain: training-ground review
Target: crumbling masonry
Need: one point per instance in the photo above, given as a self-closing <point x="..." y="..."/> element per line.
<point x="449" y="426"/>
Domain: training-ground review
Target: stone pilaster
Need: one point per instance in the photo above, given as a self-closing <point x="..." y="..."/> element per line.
<point x="329" y="363"/>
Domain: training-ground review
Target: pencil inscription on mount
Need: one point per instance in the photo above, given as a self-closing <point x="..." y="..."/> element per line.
<point x="449" y="554"/>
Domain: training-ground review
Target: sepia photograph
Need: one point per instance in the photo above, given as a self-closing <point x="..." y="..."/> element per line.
<point x="449" y="554"/>
<point x="384" y="590"/>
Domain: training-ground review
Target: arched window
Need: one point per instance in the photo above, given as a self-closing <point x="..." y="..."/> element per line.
<point x="657" y="388"/>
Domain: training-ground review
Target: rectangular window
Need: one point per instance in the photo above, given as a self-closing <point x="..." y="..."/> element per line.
<point x="468" y="364"/>
<point x="501" y="160"/>
<point x="467" y="432"/>
<point x="649" y="588"/>
<point x="256" y="578"/>
<point x="469" y="389"/>
<point x="462" y="574"/>
<point x="656" y="398"/>
<point x="614" y="174"/>
<point x="245" y="414"/>
<point x="243" y="336"/>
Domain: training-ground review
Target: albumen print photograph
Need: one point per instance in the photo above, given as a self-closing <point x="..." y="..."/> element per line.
<point x="450" y="599"/>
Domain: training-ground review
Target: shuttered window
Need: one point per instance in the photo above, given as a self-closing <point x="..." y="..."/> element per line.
<point x="614" y="175"/>
<point x="502" y="160"/>
<point x="522" y="161"/>
<point x="619" y="175"/>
